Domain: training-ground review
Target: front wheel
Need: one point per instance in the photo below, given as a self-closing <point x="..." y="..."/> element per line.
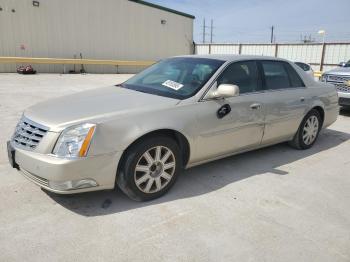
<point x="150" y="168"/>
<point x="308" y="131"/>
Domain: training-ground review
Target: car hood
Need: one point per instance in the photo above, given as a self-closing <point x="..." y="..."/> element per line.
<point x="94" y="105"/>
<point x="339" y="71"/>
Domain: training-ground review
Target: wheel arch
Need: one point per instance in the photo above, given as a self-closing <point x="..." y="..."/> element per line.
<point x="319" y="106"/>
<point x="180" y="139"/>
<point x="320" y="110"/>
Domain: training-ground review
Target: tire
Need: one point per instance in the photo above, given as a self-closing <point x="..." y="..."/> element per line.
<point x="150" y="168"/>
<point x="308" y="131"/>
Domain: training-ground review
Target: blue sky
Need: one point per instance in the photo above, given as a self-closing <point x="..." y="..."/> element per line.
<point x="250" y="20"/>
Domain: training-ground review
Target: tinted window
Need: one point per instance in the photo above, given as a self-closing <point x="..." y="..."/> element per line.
<point x="243" y="74"/>
<point x="180" y="77"/>
<point x="303" y="66"/>
<point x="280" y="75"/>
<point x="294" y="78"/>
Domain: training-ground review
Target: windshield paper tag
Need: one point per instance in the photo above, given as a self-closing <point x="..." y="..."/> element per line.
<point x="172" y="84"/>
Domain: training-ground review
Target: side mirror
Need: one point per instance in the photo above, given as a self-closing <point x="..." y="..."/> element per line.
<point x="342" y="64"/>
<point x="225" y="90"/>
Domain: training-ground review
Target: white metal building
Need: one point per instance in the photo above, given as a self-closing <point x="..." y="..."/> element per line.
<point x="98" y="29"/>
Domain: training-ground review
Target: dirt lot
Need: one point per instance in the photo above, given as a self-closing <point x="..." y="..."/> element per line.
<point x="274" y="204"/>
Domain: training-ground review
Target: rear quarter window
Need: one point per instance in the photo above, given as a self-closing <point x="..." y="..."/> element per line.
<point x="303" y="66"/>
<point x="294" y="77"/>
<point x="280" y="75"/>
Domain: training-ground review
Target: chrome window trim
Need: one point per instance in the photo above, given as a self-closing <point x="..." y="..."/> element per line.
<point x="258" y="92"/>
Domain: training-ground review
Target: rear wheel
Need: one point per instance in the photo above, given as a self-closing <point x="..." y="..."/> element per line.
<point x="150" y="168"/>
<point x="308" y="131"/>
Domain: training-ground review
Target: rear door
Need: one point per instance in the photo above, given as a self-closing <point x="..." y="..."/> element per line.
<point x="285" y="100"/>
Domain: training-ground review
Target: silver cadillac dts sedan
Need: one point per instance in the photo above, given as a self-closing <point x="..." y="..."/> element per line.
<point x="178" y="113"/>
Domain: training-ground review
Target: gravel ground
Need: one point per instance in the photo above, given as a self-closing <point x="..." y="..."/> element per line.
<point x="273" y="204"/>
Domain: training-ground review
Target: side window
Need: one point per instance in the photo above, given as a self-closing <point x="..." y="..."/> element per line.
<point x="276" y="76"/>
<point x="294" y="77"/>
<point x="279" y="75"/>
<point x="243" y="74"/>
<point x="303" y="66"/>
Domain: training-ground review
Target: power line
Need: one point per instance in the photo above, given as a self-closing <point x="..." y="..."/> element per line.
<point x="284" y="34"/>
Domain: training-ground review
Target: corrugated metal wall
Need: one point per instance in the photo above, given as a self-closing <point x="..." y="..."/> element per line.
<point x="108" y="29"/>
<point x="268" y="50"/>
<point x="225" y="49"/>
<point x="334" y="53"/>
<point x="303" y="53"/>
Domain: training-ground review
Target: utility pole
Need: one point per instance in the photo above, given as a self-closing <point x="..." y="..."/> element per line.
<point x="203" y="30"/>
<point x="272" y="27"/>
<point x="211" y="31"/>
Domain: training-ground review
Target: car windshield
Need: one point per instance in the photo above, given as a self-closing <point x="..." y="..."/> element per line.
<point x="347" y="64"/>
<point x="180" y="77"/>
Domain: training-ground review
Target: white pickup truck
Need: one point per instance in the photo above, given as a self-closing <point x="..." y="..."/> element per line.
<point x="340" y="77"/>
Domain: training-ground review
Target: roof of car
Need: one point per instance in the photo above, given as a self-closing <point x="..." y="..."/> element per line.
<point x="235" y="57"/>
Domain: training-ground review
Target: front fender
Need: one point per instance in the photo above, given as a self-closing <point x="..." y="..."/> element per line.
<point x="113" y="135"/>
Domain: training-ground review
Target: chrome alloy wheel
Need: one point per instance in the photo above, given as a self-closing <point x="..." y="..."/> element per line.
<point x="310" y="130"/>
<point x="154" y="169"/>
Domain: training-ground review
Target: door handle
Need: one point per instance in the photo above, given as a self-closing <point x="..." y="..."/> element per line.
<point x="302" y="99"/>
<point x="255" y="106"/>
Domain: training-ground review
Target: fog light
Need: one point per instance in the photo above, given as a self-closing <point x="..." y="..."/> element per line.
<point x="70" y="185"/>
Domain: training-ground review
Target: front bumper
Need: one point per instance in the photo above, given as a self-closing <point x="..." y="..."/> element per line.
<point x="48" y="170"/>
<point x="344" y="98"/>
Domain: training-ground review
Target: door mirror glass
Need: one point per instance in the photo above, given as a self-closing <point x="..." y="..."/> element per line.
<point x="226" y="90"/>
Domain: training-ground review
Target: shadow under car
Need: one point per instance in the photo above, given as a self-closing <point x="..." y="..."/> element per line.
<point x="203" y="179"/>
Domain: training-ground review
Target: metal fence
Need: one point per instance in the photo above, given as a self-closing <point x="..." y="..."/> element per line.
<point x="321" y="56"/>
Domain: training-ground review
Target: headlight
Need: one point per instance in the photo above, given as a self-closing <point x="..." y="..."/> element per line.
<point x="74" y="141"/>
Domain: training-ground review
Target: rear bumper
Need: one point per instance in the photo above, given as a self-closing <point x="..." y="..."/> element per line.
<point x="51" y="172"/>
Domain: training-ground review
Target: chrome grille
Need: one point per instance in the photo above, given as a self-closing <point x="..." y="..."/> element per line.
<point x="342" y="88"/>
<point x="337" y="78"/>
<point x="28" y="134"/>
<point x="341" y="82"/>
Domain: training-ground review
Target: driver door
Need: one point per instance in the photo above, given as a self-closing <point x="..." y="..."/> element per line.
<point x="238" y="130"/>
